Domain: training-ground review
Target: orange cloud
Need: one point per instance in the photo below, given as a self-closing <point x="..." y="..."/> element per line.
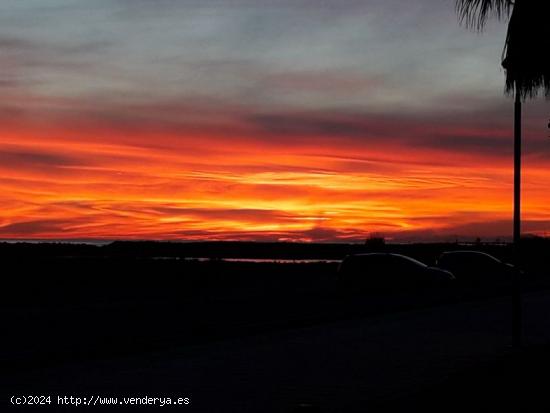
<point x="142" y="172"/>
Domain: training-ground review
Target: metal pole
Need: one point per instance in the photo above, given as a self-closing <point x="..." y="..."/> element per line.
<point x="516" y="295"/>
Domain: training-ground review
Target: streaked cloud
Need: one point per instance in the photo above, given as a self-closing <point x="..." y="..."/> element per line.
<point x="291" y="120"/>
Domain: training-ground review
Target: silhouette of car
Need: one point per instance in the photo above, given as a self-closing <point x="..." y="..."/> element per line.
<point x="390" y="271"/>
<point x="476" y="267"/>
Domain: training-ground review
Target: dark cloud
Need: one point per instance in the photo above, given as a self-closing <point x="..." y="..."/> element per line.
<point x="32" y="228"/>
<point x="482" y="144"/>
<point x="260" y="215"/>
<point x="410" y="131"/>
<point x="9" y="44"/>
<point x="488" y="229"/>
<point x="48" y="159"/>
<point x="309" y="125"/>
<point x="37" y="50"/>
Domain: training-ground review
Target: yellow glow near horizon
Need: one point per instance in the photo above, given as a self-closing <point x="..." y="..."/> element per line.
<point x="64" y="187"/>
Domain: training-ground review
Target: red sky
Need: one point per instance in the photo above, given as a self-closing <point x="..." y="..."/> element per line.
<point x="104" y="137"/>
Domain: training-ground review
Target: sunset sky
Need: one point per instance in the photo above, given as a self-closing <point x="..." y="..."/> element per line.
<point x="303" y="120"/>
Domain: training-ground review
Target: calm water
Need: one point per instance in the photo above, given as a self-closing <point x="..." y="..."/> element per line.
<point x="255" y="260"/>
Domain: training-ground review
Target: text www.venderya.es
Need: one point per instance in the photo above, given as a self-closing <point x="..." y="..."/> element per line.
<point x="47" y="400"/>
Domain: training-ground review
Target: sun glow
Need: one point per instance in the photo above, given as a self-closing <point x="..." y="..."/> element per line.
<point x="158" y="187"/>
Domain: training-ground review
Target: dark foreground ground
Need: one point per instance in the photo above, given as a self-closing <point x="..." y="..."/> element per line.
<point x="260" y="337"/>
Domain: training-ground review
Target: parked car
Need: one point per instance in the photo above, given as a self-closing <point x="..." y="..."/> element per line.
<point x="390" y="271"/>
<point x="476" y="267"/>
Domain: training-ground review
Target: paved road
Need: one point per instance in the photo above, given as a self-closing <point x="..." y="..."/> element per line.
<point x="343" y="367"/>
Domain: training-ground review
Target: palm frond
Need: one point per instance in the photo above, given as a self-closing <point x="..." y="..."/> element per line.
<point x="526" y="56"/>
<point x="474" y="13"/>
<point x="529" y="80"/>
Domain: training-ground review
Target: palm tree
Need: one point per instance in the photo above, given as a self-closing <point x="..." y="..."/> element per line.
<point x="526" y="61"/>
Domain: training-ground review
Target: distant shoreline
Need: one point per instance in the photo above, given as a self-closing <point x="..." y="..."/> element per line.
<point x="281" y="252"/>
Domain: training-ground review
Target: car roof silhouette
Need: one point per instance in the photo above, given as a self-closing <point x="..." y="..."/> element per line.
<point x="468" y="252"/>
<point x="389" y="255"/>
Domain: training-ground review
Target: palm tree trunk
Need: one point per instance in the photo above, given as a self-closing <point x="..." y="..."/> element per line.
<point x="516" y="334"/>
